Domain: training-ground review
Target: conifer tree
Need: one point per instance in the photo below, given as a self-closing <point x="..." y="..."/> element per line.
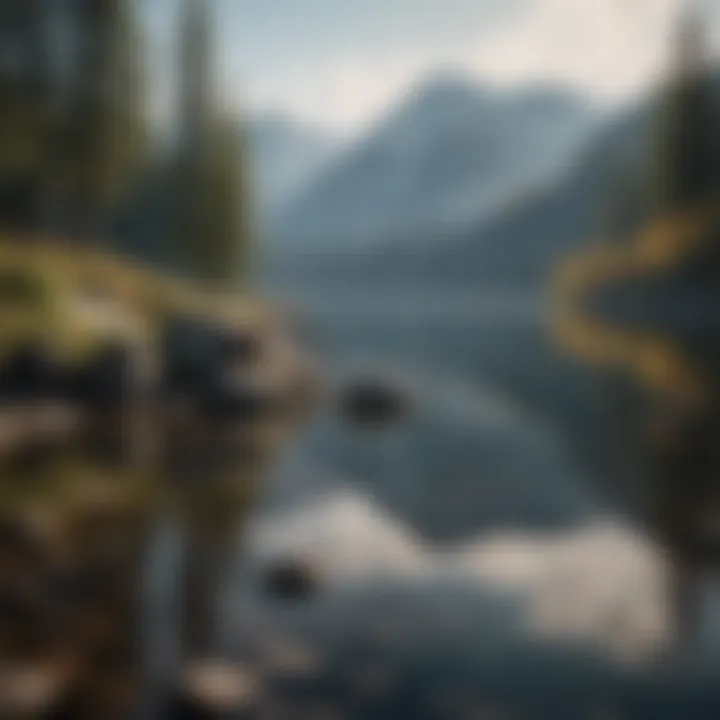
<point x="194" y="134"/>
<point x="105" y="134"/>
<point x="213" y="228"/>
<point x="227" y="249"/>
<point x="686" y="167"/>
<point x="23" y="89"/>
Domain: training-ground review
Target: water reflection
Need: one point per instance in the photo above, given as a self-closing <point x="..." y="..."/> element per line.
<point x="110" y="562"/>
<point x="646" y="313"/>
<point x="122" y="556"/>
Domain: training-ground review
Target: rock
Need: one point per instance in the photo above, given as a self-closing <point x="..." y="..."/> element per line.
<point x="374" y="403"/>
<point x="291" y="579"/>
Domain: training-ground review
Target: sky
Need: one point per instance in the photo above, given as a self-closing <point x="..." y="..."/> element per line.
<point x="340" y="63"/>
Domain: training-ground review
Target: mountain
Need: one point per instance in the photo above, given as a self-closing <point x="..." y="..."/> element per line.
<point x="452" y="153"/>
<point x="522" y="244"/>
<point x="285" y="155"/>
<point x="515" y="247"/>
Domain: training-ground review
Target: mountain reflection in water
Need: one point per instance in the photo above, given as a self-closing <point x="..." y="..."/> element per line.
<point x="464" y="566"/>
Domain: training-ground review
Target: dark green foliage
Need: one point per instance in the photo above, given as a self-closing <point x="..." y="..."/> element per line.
<point x="680" y="167"/>
<point x="23" y="78"/>
<point x="686" y="168"/>
<point x="72" y="126"/>
<point x="226" y="251"/>
<point x="73" y="138"/>
<point x="213" y="214"/>
<point x="212" y="223"/>
<point x="104" y="135"/>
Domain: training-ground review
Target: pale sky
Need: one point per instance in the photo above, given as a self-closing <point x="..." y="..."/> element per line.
<point x="339" y="63"/>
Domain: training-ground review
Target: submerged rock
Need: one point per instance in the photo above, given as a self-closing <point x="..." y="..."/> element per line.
<point x="374" y="402"/>
<point x="291" y="580"/>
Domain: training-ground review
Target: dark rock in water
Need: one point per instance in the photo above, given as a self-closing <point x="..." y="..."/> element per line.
<point x="291" y="580"/>
<point x="374" y="402"/>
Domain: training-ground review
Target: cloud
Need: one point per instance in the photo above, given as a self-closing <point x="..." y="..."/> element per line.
<point x="609" y="48"/>
<point x="343" y="93"/>
<point x="601" y="583"/>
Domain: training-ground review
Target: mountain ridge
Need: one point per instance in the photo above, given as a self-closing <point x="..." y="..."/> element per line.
<point x="448" y="154"/>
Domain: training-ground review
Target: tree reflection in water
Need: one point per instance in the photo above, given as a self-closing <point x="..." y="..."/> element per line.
<point x="110" y="563"/>
<point x="646" y="313"/>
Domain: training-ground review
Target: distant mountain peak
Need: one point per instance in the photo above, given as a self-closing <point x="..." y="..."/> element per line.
<point x="458" y="89"/>
<point x="450" y="85"/>
<point x="452" y="151"/>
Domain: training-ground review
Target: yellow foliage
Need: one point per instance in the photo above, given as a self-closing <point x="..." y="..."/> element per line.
<point x="135" y="300"/>
<point x="663" y="245"/>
